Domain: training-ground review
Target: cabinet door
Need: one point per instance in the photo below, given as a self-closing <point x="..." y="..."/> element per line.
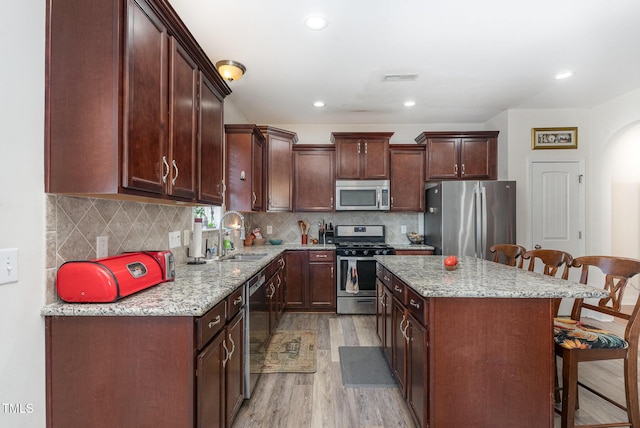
<point x="234" y="370"/>
<point x="239" y="167"/>
<point x="280" y="174"/>
<point x="442" y="158"/>
<point x="145" y="163"/>
<point x="381" y="310"/>
<point x="322" y="285"/>
<point x="417" y="370"/>
<point x="387" y="343"/>
<point x="211" y="384"/>
<point x="211" y="170"/>
<point x="398" y="363"/>
<point x="407" y="180"/>
<point x="348" y="155"/>
<point x="183" y="97"/>
<point x="477" y="158"/>
<point x="257" y="162"/>
<point x="375" y="158"/>
<point x="314" y="180"/>
<point x="297" y="280"/>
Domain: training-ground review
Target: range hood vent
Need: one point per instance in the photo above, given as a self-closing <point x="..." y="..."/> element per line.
<point x="399" y="77"/>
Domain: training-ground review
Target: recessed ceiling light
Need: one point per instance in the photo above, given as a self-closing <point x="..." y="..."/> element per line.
<point x="315" y="22"/>
<point x="319" y="104"/>
<point x="409" y="103"/>
<point x="564" y="75"/>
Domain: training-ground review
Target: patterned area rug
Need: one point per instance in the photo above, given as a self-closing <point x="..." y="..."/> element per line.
<point x="290" y="351"/>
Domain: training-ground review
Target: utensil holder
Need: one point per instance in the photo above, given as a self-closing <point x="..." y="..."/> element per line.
<point x="304" y="239"/>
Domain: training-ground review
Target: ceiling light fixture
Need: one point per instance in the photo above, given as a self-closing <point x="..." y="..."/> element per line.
<point x="564" y="75"/>
<point x="409" y="103"/>
<point x="319" y="104"/>
<point x="316" y="22"/>
<point x="230" y="70"/>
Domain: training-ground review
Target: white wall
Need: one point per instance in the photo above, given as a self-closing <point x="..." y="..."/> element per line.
<point x="22" y="213"/>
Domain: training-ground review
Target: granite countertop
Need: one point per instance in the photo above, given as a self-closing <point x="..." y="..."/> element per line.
<point x="480" y="278"/>
<point x="196" y="289"/>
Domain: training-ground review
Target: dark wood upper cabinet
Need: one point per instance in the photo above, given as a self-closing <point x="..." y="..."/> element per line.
<point x="314" y="177"/>
<point x="279" y="168"/>
<point x="407" y="177"/>
<point x="362" y="155"/>
<point x="123" y="104"/>
<point x="211" y="170"/>
<point x="245" y="167"/>
<point x="461" y="155"/>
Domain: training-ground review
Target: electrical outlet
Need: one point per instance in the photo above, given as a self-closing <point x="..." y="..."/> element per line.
<point x="8" y="265"/>
<point x="403" y="229"/>
<point x="174" y="239"/>
<point x="186" y="235"/>
<point x="269" y="230"/>
<point x="102" y="246"/>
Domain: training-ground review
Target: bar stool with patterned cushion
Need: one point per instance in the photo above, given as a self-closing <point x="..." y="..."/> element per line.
<point x="507" y="254"/>
<point x="576" y="341"/>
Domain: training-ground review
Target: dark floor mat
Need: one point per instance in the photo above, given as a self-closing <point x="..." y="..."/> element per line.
<point x="365" y="367"/>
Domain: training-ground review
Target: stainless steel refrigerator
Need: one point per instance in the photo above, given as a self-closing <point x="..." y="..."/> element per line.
<point x="465" y="218"/>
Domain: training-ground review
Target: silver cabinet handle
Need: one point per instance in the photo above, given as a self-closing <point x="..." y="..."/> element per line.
<point x="365" y="148"/>
<point x="455" y="167"/>
<point x="237" y="301"/>
<point x="392" y="202"/>
<point x="175" y="177"/>
<point x="414" y="304"/>
<point x="226" y="354"/>
<point x="255" y="198"/>
<point x="166" y="168"/>
<point x="332" y="202"/>
<point x="233" y="346"/>
<point x="320" y="256"/>
<point x="358" y="147"/>
<point x="281" y="261"/>
<point x="462" y="169"/>
<point x="386" y="278"/>
<point x="331" y="271"/>
<point x="214" y="322"/>
<point x="398" y="289"/>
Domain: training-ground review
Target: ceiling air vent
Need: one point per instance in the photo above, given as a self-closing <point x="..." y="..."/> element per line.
<point x="399" y="77"/>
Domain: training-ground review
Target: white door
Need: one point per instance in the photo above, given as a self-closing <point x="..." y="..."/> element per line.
<point x="557" y="210"/>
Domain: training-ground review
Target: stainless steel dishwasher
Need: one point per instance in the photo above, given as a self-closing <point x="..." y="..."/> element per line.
<point x="256" y="330"/>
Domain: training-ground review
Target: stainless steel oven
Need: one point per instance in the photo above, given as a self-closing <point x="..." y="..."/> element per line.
<point x="356" y="268"/>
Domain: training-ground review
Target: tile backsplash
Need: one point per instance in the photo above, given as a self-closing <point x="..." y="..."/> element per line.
<point x="74" y="223"/>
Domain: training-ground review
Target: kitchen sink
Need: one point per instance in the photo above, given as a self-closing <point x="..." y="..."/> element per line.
<point x="251" y="257"/>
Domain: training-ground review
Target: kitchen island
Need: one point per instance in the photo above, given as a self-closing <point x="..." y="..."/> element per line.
<point x="473" y="346"/>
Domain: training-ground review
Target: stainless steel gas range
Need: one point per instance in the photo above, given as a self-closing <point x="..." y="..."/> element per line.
<point x="356" y="269"/>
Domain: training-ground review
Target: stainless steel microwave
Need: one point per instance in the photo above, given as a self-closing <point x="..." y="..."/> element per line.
<point x="362" y="195"/>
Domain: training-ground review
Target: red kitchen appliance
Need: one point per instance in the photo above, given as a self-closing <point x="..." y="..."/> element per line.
<point x="112" y="278"/>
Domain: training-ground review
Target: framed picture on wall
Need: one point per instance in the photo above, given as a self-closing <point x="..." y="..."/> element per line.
<point x="554" y="138"/>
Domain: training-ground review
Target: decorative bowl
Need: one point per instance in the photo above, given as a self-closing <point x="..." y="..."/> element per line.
<point x="259" y="241"/>
<point x="275" y="241"/>
<point x="415" y="238"/>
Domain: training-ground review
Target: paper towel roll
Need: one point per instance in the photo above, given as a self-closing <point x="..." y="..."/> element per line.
<point x="196" y="242"/>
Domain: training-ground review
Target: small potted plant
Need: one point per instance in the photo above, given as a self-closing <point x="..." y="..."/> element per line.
<point x="198" y="212"/>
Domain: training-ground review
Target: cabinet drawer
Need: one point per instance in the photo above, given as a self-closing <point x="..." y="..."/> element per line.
<point x="398" y="289"/>
<point x="384" y="275"/>
<point x="417" y="306"/>
<point x="235" y="302"/>
<point x="321" y="256"/>
<point x="210" y="324"/>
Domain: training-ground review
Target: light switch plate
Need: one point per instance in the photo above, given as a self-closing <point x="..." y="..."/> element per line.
<point x="403" y="229"/>
<point x="269" y="230"/>
<point x="8" y="265"/>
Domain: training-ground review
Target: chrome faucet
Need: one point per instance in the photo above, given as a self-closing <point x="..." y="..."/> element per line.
<point x="221" y="250"/>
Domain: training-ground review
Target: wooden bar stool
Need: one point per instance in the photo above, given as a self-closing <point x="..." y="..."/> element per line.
<point x="552" y="261"/>
<point x="576" y="342"/>
<point x="507" y="254"/>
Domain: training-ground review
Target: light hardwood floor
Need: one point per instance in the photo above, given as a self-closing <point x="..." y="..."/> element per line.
<point x="319" y="399"/>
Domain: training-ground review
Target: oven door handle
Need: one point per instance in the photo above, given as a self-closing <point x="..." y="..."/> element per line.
<point x="349" y="258"/>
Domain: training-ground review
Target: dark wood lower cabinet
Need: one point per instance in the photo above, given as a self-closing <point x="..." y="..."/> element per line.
<point x="469" y="361"/>
<point x="139" y="371"/>
<point x="310" y="280"/>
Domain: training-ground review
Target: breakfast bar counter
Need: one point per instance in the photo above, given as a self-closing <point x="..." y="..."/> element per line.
<point x="472" y="346"/>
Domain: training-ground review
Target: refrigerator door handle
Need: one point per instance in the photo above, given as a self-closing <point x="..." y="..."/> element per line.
<point x="478" y="216"/>
<point x="483" y="242"/>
